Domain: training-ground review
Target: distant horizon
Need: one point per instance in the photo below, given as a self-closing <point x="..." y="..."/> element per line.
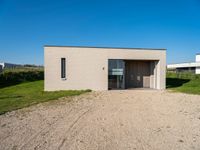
<point x="26" y="26"/>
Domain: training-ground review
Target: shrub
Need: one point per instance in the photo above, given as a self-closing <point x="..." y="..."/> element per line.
<point x="183" y="75"/>
<point x="15" y="76"/>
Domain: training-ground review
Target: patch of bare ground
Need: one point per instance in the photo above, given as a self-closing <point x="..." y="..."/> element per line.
<point x="129" y="119"/>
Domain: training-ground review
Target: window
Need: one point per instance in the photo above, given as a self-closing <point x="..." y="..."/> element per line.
<point x="63" y="68"/>
<point x="116" y="79"/>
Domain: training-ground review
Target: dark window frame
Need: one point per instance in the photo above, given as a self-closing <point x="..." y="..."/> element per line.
<point x="63" y="68"/>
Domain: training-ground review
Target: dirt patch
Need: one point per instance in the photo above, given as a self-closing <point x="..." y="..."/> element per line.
<point x="131" y="119"/>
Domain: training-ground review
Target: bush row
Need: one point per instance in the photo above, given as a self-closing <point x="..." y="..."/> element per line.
<point x="183" y="75"/>
<point x="14" y="77"/>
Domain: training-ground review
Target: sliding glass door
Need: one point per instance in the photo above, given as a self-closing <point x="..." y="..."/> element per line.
<point x="116" y="77"/>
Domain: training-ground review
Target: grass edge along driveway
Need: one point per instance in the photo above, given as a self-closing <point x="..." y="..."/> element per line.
<point x="183" y="82"/>
<point x="29" y="93"/>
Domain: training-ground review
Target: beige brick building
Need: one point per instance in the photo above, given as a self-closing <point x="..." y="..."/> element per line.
<point x="100" y="68"/>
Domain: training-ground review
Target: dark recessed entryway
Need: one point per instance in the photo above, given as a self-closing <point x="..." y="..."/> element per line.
<point x="137" y="74"/>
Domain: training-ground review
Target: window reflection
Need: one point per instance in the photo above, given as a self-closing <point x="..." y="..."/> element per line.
<point x="116" y="74"/>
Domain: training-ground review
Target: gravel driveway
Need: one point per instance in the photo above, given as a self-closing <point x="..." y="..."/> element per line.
<point x="112" y="120"/>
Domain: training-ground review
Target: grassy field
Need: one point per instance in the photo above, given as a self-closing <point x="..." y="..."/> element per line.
<point x="23" y="90"/>
<point x="23" y="69"/>
<point x="26" y="94"/>
<point x="183" y="82"/>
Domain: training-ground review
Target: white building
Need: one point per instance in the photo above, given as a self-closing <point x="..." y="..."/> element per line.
<point x="4" y="65"/>
<point x="103" y="68"/>
<point x="186" y="67"/>
<point x="198" y="61"/>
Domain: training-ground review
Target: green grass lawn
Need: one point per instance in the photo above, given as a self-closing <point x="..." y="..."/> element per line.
<point x="183" y="82"/>
<point x="26" y="94"/>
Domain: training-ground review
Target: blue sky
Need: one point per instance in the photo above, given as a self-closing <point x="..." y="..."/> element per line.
<point x="27" y="25"/>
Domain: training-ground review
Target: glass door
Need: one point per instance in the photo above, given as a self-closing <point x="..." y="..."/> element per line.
<point x="116" y="77"/>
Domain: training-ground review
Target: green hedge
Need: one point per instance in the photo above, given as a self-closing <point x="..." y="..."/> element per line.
<point x="15" y="76"/>
<point x="183" y="75"/>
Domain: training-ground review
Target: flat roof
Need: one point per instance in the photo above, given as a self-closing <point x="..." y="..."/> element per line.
<point x="107" y="47"/>
<point x="183" y="65"/>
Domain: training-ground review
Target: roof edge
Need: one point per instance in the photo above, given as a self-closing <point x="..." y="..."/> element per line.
<point x="164" y="49"/>
<point x="183" y="63"/>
